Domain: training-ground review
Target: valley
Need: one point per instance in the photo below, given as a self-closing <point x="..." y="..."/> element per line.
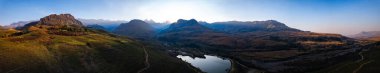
<point x="268" y="46"/>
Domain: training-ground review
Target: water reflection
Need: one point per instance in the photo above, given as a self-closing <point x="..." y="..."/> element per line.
<point x="210" y="64"/>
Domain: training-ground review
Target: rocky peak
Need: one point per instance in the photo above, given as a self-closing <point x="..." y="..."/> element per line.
<point x="61" y="19"/>
<point x="191" y="25"/>
<point x="62" y="24"/>
<point x="137" y="21"/>
<point x="184" y="23"/>
<point x="271" y="24"/>
<point x="191" y="21"/>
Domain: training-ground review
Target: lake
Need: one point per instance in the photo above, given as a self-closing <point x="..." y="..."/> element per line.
<point x="210" y="64"/>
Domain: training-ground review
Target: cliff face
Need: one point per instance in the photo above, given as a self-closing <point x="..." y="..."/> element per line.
<point x="61" y="19"/>
<point x="62" y="24"/>
<point x="56" y="21"/>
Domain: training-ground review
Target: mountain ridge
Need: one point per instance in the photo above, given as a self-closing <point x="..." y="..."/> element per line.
<point x="259" y="45"/>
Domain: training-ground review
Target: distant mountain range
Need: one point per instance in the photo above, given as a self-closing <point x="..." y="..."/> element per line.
<point x="135" y="29"/>
<point x="241" y="27"/>
<point x="365" y="34"/>
<point x="190" y="32"/>
<point x="96" y="27"/>
<point x="369" y="35"/>
<point x="158" y="25"/>
<point x="100" y="21"/>
<point x="18" y="24"/>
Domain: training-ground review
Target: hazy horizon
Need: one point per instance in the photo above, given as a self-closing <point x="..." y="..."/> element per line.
<point x="327" y="16"/>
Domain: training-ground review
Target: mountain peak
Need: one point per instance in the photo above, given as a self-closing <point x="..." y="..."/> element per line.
<point x="186" y="25"/>
<point x="181" y="20"/>
<point x="193" y="20"/>
<point x="182" y="23"/>
<point x="271" y="24"/>
<point x="61" y="24"/>
<point x="136" y="29"/>
<point x="60" y="19"/>
<point x="137" y="21"/>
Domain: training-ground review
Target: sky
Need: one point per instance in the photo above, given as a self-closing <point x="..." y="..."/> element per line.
<point x="325" y="16"/>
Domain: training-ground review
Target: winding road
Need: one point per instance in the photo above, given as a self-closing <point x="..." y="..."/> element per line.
<point x="361" y="55"/>
<point x="147" y="64"/>
<point x="250" y="70"/>
<point x="361" y="65"/>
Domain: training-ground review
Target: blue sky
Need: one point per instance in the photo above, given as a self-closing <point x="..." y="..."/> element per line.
<point x="327" y="16"/>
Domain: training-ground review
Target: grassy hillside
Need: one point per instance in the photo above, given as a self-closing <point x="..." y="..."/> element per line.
<point x="61" y="44"/>
<point x="39" y="52"/>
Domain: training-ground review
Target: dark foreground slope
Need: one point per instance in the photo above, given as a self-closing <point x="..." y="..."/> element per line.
<point x="368" y="61"/>
<point x="60" y="44"/>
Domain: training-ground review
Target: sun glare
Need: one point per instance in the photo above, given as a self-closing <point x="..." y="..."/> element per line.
<point x="169" y="12"/>
<point x="172" y="11"/>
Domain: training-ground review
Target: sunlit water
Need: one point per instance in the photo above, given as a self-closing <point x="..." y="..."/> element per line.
<point x="210" y="64"/>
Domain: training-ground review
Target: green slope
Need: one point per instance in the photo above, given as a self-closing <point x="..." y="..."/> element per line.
<point x="93" y="52"/>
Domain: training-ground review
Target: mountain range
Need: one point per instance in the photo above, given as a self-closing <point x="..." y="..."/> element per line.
<point x="109" y="25"/>
<point x="63" y="44"/>
<point x="369" y="35"/>
<point x="269" y="45"/>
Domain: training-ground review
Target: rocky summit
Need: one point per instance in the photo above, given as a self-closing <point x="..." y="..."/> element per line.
<point x="57" y="21"/>
<point x="61" y="19"/>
